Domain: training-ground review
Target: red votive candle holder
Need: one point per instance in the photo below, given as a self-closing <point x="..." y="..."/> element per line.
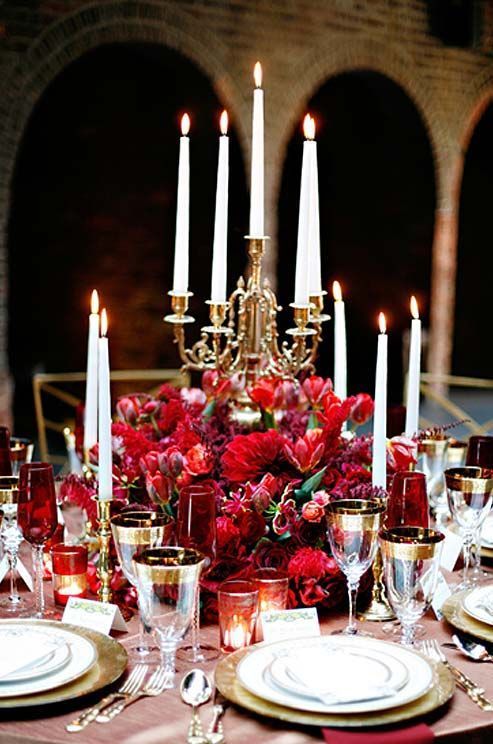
<point x="69" y="572"/>
<point x="237" y="602"/>
<point x="272" y="585"/>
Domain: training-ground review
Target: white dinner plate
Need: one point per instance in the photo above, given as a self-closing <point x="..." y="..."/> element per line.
<point x="55" y="652"/>
<point x="487" y="533"/>
<point x="380" y="668"/>
<point x="479" y="604"/>
<point x="253" y="673"/>
<point x="83" y="655"/>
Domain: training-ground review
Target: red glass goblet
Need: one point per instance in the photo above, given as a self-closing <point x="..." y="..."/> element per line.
<point x="408" y="501"/>
<point x="196" y="528"/>
<point x="480" y="452"/>
<point x="37" y="518"/>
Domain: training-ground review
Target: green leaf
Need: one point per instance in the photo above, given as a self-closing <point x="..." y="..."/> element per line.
<point x="310" y="485"/>
<point x="313" y="422"/>
<point x="269" y="420"/>
<point x="209" y="410"/>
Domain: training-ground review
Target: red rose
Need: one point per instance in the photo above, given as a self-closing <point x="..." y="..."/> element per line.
<point x="199" y="460"/>
<point x="270" y="554"/>
<point x="312" y="512"/>
<point x="228" y="534"/>
<point x="362" y="409"/>
<point x="251" y="526"/>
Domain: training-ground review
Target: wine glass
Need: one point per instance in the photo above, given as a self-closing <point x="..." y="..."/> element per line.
<point x="407" y="503"/>
<point x="11" y="538"/>
<point x="469" y="491"/>
<point x="480" y="453"/>
<point x="21" y="451"/>
<point x="167" y="580"/>
<point x="411" y="559"/>
<point x="432" y="459"/>
<point x="37" y="518"/>
<point x="196" y="528"/>
<point x="133" y="532"/>
<point x="353" y="526"/>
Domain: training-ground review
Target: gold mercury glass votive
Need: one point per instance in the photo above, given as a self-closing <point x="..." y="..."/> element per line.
<point x="237" y="602"/>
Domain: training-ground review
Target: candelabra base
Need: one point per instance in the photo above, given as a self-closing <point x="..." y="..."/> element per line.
<point x="244" y="412"/>
<point x="379" y="609"/>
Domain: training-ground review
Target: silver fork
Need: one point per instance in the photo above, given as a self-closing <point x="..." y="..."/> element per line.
<point x="155" y="686"/>
<point x="129" y="687"/>
<point x="473" y="691"/>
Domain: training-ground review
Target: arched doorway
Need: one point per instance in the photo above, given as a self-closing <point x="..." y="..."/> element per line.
<point x="93" y="204"/>
<point x="475" y="256"/>
<point x="377" y="202"/>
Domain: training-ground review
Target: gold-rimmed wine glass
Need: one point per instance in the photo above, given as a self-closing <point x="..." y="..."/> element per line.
<point x="411" y="559"/>
<point x="167" y="581"/>
<point x="353" y="526"/>
<point x="470" y="493"/>
<point x="432" y="461"/>
<point x="11" y="537"/>
<point x="133" y="532"/>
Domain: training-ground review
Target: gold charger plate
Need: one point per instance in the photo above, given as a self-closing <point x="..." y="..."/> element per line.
<point x="455" y="615"/>
<point x="228" y="684"/>
<point x="110" y="665"/>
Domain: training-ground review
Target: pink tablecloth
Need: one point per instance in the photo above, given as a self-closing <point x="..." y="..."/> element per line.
<point x="164" y="720"/>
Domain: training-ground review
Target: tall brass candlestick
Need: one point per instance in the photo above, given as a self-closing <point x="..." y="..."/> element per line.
<point x="104" y="569"/>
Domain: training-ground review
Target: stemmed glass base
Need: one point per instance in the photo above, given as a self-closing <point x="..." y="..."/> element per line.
<point x="140" y="652"/>
<point x="198" y="654"/>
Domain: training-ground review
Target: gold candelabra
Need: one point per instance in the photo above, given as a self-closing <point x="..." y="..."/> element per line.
<point x="243" y="338"/>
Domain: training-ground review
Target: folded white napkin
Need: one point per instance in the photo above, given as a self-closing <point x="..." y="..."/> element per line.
<point x="336" y="677"/>
<point x="23" y="651"/>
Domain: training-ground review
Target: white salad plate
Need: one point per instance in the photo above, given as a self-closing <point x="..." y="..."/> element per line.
<point x="479" y="604"/>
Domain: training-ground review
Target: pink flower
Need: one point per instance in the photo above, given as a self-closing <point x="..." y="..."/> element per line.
<point x="401" y="453"/>
<point x="260" y="495"/>
<point x="127" y="409"/>
<point x="194" y="397"/>
<point x="158" y="487"/>
<point x="321" y="497"/>
<point x="286" y="515"/>
<point x="312" y="511"/>
<point x="306" y="452"/>
<point x="315" y="388"/>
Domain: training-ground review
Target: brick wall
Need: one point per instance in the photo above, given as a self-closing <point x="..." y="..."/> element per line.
<point x="301" y="44"/>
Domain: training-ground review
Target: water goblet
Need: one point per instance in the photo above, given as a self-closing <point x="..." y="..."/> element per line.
<point x="407" y="503"/>
<point x="411" y="559"/>
<point x="432" y="459"/>
<point x="37" y="517"/>
<point x="167" y="581"/>
<point x="11" y="538"/>
<point x="21" y="451"/>
<point x="133" y="532"/>
<point x="196" y="528"/>
<point x="469" y="492"/>
<point x="353" y="526"/>
<point x="480" y="453"/>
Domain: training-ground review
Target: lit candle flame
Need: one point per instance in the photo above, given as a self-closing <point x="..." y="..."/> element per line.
<point x="223" y="122"/>
<point x="257" y="74"/>
<point x="94" y="302"/>
<point x="414" y="308"/>
<point x="382" y="323"/>
<point x="104" y="322"/>
<point x="337" y="291"/>
<point x="185" y="124"/>
<point x="309" y="127"/>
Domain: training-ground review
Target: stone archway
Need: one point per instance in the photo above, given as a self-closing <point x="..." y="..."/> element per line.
<point x="64" y="42"/>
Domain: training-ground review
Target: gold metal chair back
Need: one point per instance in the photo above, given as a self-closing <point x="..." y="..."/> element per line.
<point x="61" y="387"/>
<point x="436" y="389"/>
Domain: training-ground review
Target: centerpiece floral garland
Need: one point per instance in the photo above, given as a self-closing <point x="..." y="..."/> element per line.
<point x="271" y="484"/>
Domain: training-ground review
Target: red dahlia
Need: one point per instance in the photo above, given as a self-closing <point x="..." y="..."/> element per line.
<point x="248" y="457"/>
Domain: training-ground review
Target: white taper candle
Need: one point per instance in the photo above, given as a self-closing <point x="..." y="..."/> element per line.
<point x="257" y="170"/>
<point x="180" y="276"/>
<point x="340" y="350"/>
<point x="413" y="377"/>
<point x="220" y="251"/>
<point x="379" y="465"/>
<point x="105" y="462"/>
<point x="301" y="287"/>
<point x="91" y="406"/>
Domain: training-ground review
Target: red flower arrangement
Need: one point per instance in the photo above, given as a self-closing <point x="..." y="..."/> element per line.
<point x="271" y="485"/>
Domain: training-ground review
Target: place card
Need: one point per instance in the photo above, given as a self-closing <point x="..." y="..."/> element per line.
<point x="442" y="592"/>
<point x="279" y="624"/>
<point x="452" y="547"/>
<point x="88" y="613"/>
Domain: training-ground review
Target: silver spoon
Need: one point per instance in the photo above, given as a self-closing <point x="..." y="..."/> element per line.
<point x="473" y="650"/>
<point x="195" y="690"/>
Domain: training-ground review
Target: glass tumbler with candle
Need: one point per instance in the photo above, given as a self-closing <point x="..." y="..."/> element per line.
<point x="69" y="572"/>
<point x="272" y="585"/>
<point x="237" y="602"/>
